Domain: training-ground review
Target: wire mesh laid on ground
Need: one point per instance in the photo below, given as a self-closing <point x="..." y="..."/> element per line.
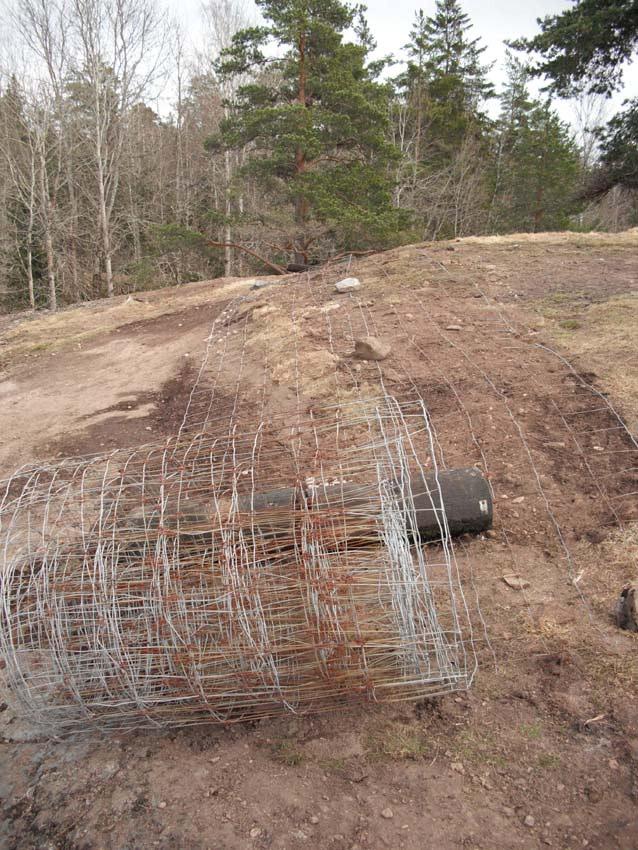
<point x="229" y="577"/>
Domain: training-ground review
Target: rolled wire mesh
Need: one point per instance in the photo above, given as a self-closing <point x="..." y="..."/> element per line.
<point x="225" y="576"/>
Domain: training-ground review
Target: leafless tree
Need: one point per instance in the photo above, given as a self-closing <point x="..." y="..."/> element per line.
<point x="590" y="112"/>
<point x="222" y="19"/>
<point x="119" y="56"/>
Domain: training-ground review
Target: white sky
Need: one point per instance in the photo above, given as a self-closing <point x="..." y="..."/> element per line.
<point x="494" y="21"/>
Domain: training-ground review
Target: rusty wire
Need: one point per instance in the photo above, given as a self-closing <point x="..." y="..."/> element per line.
<point x="159" y="586"/>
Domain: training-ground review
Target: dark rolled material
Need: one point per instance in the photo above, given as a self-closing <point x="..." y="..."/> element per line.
<point x="465" y="494"/>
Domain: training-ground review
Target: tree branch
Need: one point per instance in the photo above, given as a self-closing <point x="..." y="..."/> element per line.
<point x="277" y="269"/>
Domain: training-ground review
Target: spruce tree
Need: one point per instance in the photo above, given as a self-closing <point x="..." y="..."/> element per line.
<point x="313" y="120"/>
<point x="537" y="165"/>
<point x="457" y="79"/>
<point x="443" y="130"/>
<point x="444" y="84"/>
<point x="414" y="81"/>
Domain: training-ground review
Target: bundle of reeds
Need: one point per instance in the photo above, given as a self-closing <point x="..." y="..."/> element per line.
<point x="233" y="577"/>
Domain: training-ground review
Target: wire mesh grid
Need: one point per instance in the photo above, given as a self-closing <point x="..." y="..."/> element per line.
<point x="230" y="577"/>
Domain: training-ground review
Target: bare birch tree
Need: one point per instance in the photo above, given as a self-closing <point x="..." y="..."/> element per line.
<point x="222" y="19"/>
<point x="119" y="54"/>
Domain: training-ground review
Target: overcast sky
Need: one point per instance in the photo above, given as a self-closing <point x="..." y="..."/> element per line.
<point x="494" y="21"/>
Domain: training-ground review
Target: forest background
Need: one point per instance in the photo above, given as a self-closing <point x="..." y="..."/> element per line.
<point x="131" y="159"/>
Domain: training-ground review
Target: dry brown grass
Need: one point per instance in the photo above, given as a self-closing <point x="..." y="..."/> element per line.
<point x="604" y="336"/>
<point x="33" y="333"/>
<point x="626" y="237"/>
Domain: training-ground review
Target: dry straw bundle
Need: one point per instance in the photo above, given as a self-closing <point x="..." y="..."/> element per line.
<point x="229" y="576"/>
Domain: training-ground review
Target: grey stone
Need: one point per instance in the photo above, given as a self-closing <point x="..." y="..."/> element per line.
<point x="260" y="284"/>
<point x="348" y="284"/>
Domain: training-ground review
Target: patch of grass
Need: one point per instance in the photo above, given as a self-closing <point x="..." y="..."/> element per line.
<point x="570" y="324"/>
<point x="533" y="731"/>
<point x="549" y="761"/>
<point x="479" y="748"/>
<point x="287" y="753"/>
<point x="565" y="297"/>
<point x="397" y="741"/>
<point x="333" y="765"/>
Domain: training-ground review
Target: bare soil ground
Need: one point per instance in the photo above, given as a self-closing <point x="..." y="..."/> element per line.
<point x="542" y="751"/>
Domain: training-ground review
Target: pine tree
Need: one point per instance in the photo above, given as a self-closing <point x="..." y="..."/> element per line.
<point x="315" y="121"/>
<point x="586" y="48"/>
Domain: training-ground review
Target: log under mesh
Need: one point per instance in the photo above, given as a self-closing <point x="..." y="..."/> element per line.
<point x="157" y="586"/>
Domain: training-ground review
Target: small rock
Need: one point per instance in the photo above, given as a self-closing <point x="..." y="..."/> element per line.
<point x="529" y="821"/>
<point x="314" y="819"/>
<point x="515" y="582"/>
<point x="457" y="766"/>
<point x="330" y="306"/>
<point x="255" y="832"/>
<point x="162" y="804"/>
<point x="348" y="284"/>
<point x="454" y="328"/>
<point x="518" y="500"/>
<point x="371" y="348"/>
<point x="613" y="764"/>
<point x="554" y="445"/>
<point x="387" y="813"/>
<point x="260" y="284"/>
<point x="300" y="834"/>
<point x="598" y="448"/>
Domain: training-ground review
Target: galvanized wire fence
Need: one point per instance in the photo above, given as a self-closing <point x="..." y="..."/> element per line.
<point x="229" y="577"/>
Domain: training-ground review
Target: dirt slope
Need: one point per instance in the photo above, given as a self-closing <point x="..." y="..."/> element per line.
<point x="543" y="750"/>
